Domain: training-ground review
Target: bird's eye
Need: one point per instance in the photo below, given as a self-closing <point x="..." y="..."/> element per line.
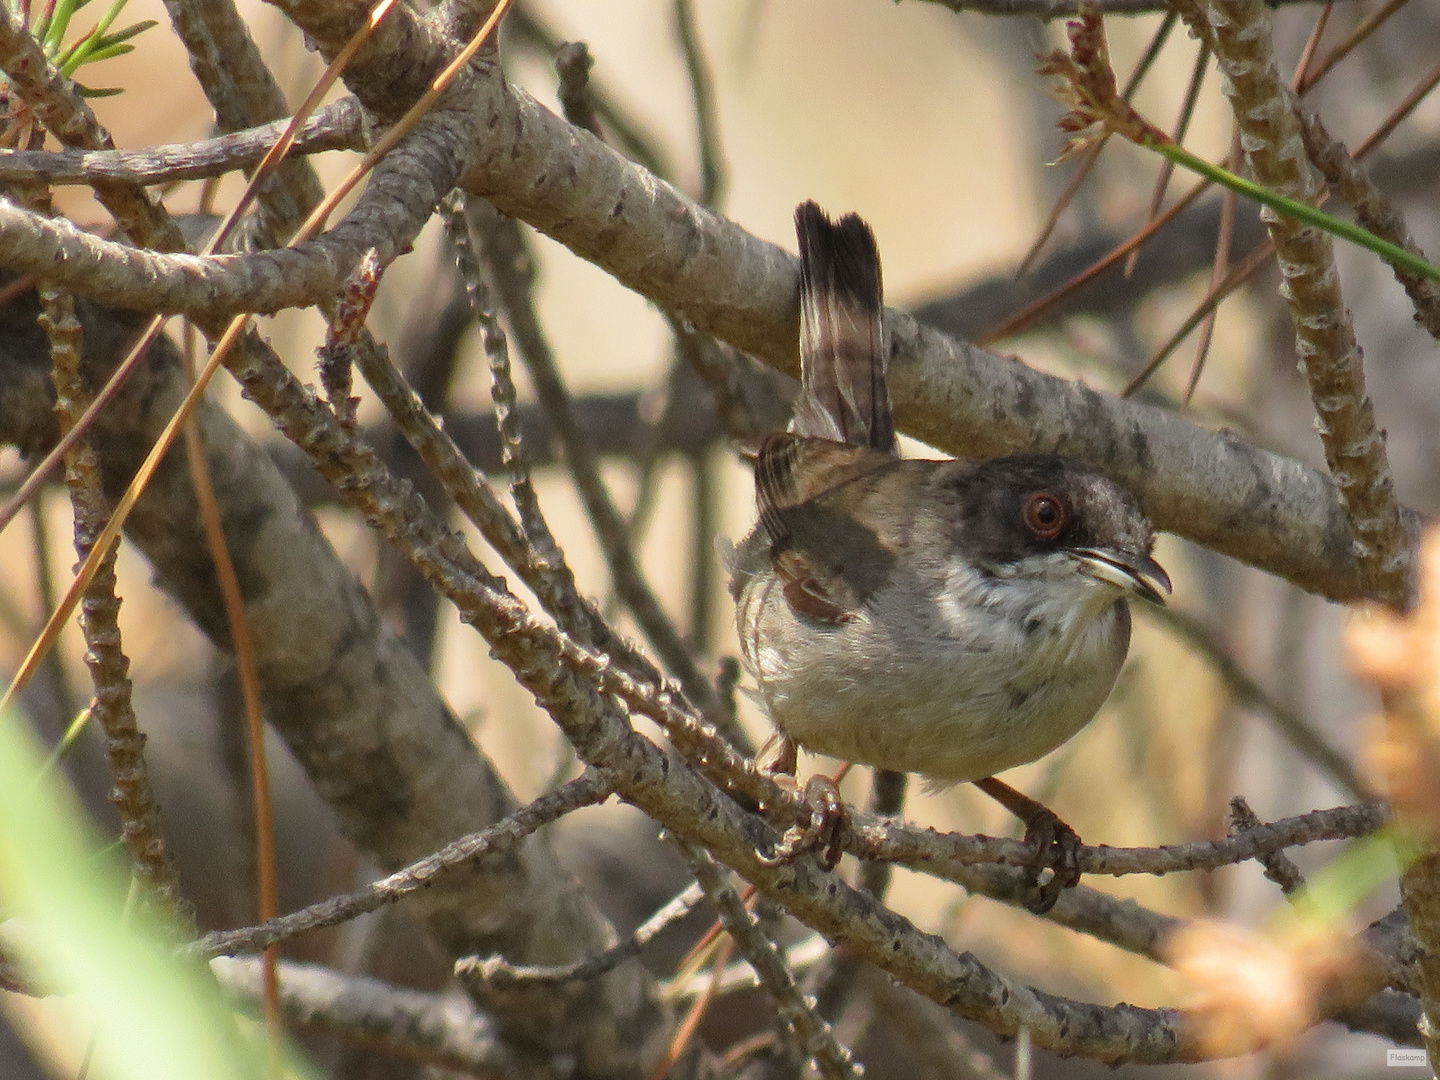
<point x="1045" y="515"/>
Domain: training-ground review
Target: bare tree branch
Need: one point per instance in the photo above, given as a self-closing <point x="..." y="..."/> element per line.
<point x="833" y="1061"/>
<point x="499" y="839"/>
<point x="1239" y="33"/>
<point x="1348" y="179"/>
<point x="435" y="1029"/>
<point x="243" y="93"/>
<point x="403" y="191"/>
<point x="333" y="127"/>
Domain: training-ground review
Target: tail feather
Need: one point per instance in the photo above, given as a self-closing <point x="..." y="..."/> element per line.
<point x="843" y="392"/>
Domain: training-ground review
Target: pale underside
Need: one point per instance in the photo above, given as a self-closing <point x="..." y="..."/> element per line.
<point x="918" y="683"/>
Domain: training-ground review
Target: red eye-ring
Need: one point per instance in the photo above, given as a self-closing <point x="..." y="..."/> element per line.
<point x="1045" y="515"/>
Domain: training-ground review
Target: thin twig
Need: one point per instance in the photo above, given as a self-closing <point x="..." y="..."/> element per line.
<point x="503" y="252"/>
<point x="112" y="708"/>
<point x="336" y="126"/>
<point x="502" y="974"/>
<point x="482" y="306"/>
<point x="1182" y="125"/>
<point x="1218" y="269"/>
<point x="1278" y="867"/>
<point x="833" y="1060"/>
<point x="702" y="96"/>
<point x="1362" y="31"/>
<point x="591" y="787"/>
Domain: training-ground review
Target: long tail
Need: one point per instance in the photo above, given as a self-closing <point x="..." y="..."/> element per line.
<point x="843" y="392"/>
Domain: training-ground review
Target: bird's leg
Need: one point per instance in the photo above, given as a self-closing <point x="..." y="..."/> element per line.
<point x="779" y="758"/>
<point x="1057" y="845"/>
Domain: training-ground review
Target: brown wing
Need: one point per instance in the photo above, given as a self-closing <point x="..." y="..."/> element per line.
<point x="843" y="391"/>
<point x="793" y="475"/>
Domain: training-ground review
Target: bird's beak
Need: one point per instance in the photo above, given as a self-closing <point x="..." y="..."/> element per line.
<point x="1131" y="571"/>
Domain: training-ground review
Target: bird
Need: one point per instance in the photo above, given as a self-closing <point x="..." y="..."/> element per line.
<point x="946" y="618"/>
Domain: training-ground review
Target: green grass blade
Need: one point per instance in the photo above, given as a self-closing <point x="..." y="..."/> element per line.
<point x="155" y="1017"/>
<point x="1391" y="253"/>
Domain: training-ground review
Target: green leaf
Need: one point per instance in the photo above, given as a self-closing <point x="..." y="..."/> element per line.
<point x="68" y="740"/>
<point x="105" y="52"/>
<point x="153" y="1016"/>
<point x="105" y="91"/>
<point x="103" y="26"/>
<point x="127" y="33"/>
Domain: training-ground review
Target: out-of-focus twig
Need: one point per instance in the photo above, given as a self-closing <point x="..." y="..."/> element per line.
<point x="572" y="63"/>
<point x="1294" y="728"/>
<point x="435" y="1029"/>
<point x="1218" y="269"/>
<point x="702" y="94"/>
<point x="1182" y="126"/>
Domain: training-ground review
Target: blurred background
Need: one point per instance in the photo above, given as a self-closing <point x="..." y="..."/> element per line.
<point x="934" y="127"/>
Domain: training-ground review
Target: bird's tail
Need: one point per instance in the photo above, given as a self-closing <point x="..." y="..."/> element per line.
<point x="843" y="392"/>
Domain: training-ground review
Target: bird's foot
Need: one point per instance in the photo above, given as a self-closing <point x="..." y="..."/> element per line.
<point x="1057" y="848"/>
<point x="821" y="832"/>
<point x="1057" y="845"/>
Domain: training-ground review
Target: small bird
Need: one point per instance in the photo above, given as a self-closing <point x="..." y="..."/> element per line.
<point x="951" y="619"/>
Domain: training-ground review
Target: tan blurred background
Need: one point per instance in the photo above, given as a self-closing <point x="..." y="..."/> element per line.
<point x="934" y="127"/>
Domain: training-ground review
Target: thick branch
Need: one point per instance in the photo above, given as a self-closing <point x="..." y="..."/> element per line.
<point x="433" y="1028"/>
<point x="402" y="192"/>
<point x="1211" y="487"/>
